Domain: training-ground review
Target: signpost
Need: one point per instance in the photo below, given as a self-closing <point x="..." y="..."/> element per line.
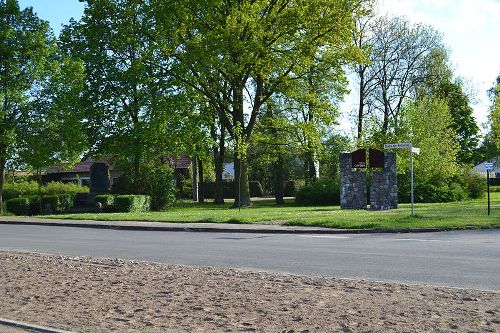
<point x="413" y="150"/>
<point x="488" y="166"/>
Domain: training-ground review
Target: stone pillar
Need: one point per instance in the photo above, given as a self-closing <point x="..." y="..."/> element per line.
<point x="352" y="185"/>
<point x="100" y="181"/>
<point x="384" y="186"/>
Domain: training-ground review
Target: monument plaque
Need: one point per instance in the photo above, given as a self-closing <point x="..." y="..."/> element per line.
<point x="359" y="158"/>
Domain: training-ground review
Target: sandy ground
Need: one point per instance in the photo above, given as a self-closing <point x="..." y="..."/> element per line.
<point x="106" y="295"/>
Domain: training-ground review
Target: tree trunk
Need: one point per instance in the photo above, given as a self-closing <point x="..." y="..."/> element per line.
<point x="3" y="152"/>
<point x="361" y="109"/>
<point x="279" y="181"/>
<point x="219" y="153"/>
<point x="241" y="187"/>
<point x="242" y="190"/>
<point x="201" y="195"/>
<point x="194" y="185"/>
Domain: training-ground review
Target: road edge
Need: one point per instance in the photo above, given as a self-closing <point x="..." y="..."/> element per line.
<point x="31" y="327"/>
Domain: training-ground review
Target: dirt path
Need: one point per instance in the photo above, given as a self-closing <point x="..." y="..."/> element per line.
<point x="106" y="295"/>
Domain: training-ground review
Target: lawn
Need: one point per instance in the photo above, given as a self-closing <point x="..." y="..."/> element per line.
<point x="471" y="213"/>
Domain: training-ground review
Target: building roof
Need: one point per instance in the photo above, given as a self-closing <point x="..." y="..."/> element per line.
<point x="183" y="162"/>
<point x="481" y="168"/>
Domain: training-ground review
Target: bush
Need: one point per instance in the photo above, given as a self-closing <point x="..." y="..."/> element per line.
<point x="321" y="192"/>
<point x="51" y="201"/>
<point x="290" y="189"/>
<point x="63" y="188"/>
<point x="20" y="189"/>
<point x="106" y="200"/>
<point x="132" y="203"/>
<point x="157" y="181"/>
<point x="67" y="200"/>
<point x="35" y="205"/>
<point x="255" y="189"/>
<point x="18" y="206"/>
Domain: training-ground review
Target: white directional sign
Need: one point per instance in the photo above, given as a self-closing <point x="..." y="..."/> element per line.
<point x="413" y="150"/>
<point x="488" y="166"/>
<point x="397" y="145"/>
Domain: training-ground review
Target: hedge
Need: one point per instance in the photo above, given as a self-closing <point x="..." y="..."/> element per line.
<point x="106" y="200"/>
<point x="132" y="203"/>
<point x="228" y="189"/>
<point x="321" y="192"/>
<point x="18" y="206"/>
<point x="51" y="201"/>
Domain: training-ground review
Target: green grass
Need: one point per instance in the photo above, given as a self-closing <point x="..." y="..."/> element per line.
<point x="465" y="214"/>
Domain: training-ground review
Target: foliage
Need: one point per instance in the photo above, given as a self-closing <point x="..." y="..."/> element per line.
<point x="132" y="203"/>
<point x="475" y="184"/>
<point x="398" y="64"/>
<point x="158" y="183"/>
<point x="51" y="201"/>
<point x="18" y="189"/>
<point x="463" y="123"/>
<point x="321" y="192"/>
<point x="18" y="206"/>
<point x="63" y="188"/>
<point x="232" y="52"/>
<point x="106" y="200"/>
<point x="495" y="114"/>
<point x="30" y="188"/>
<point x="255" y="189"/>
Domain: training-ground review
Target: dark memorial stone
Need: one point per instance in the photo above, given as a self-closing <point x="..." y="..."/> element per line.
<point x="359" y="158"/>
<point x="376" y="158"/>
<point x="99" y="178"/>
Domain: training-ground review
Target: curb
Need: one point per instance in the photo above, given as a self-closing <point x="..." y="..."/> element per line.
<point x="252" y="230"/>
<point x="30" y="327"/>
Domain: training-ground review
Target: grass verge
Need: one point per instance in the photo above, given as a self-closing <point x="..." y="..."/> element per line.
<point x="455" y="215"/>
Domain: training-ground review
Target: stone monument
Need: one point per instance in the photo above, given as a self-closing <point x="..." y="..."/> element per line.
<point x="100" y="181"/>
<point x="383" y="180"/>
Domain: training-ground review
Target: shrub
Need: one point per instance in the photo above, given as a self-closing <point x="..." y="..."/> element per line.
<point x="473" y="183"/>
<point x="62" y="188"/>
<point x="290" y="188"/>
<point x="255" y="189"/>
<point x="106" y="200"/>
<point x="35" y="204"/>
<point x="20" y="189"/>
<point x="18" y="206"/>
<point x="321" y="192"/>
<point x="51" y="201"/>
<point x="132" y="203"/>
<point x="157" y="181"/>
<point x="67" y="200"/>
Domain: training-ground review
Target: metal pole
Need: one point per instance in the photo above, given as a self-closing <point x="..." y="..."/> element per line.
<point x="488" y="185"/>
<point x="411" y="175"/>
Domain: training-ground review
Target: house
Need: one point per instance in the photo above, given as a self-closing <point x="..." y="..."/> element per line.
<point x="80" y="173"/>
<point x="494" y="174"/>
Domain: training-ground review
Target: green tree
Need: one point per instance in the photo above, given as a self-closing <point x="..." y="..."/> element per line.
<point x="495" y="113"/>
<point x="464" y="122"/>
<point x="26" y="49"/>
<point x="249" y="49"/>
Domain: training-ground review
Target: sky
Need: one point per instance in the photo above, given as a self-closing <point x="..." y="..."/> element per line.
<point x="470" y="28"/>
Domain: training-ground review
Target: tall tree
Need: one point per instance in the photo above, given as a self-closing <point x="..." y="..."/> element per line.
<point x="398" y="65"/>
<point x="495" y="113"/>
<point x="26" y="49"/>
<point x="124" y="93"/>
<point x="255" y="47"/>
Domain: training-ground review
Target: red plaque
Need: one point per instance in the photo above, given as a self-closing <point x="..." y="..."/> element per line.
<point x="359" y="158"/>
<point x="376" y="159"/>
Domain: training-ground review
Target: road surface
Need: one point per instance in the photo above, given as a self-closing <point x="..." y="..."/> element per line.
<point x="465" y="259"/>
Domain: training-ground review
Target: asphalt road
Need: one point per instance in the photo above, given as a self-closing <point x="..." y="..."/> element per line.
<point x="466" y="259"/>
